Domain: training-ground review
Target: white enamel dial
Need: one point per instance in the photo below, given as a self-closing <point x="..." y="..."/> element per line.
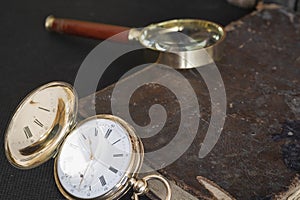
<point x="94" y="158"/>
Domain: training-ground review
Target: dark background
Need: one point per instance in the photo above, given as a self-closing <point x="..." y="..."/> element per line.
<point x="31" y="56"/>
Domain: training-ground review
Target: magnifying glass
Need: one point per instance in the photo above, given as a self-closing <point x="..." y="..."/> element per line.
<point x="185" y="36"/>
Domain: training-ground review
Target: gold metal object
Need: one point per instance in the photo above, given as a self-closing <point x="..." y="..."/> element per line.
<point x="200" y="34"/>
<point x="25" y="154"/>
<point x="188" y="43"/>
<point x="135" y="164"/>
<point x="182" y="43"/>
<point x="140" y="187"/>
<point x="49" y="22"/>
<point x="25" y="150"/>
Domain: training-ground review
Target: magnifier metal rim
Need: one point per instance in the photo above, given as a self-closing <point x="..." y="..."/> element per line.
<point x="202" y="24"/>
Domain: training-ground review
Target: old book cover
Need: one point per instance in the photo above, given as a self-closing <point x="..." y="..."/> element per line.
<point x="258" y="153"/>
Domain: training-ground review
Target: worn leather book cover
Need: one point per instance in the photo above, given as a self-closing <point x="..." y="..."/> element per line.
<point x="257" y="155"/>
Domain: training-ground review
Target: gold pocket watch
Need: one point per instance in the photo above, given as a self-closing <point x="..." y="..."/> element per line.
<point x="97" y="158"/>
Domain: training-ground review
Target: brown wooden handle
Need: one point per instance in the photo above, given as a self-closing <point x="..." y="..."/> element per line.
<point x="86" y="29"/>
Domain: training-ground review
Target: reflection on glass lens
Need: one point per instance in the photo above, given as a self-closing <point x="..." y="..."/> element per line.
<point x="181" y="35"/>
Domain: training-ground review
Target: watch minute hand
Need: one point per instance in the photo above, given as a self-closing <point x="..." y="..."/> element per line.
<point x="84" y="173"/>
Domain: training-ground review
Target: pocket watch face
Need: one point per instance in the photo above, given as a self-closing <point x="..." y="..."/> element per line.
<point x="39" y="124"/>
<point x="98" y="158"/>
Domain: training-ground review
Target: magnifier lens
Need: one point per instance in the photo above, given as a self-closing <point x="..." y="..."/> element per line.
<point x="181" y="35"/>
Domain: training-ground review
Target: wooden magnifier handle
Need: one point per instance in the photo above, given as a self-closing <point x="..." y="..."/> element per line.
<point x="86" y="29"/>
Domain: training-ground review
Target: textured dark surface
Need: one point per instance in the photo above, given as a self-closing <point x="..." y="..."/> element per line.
<point x="30" y="57"/>
<point x="291" y="148"/>
<point x="291" y="4"/>
<point x="261" y="70"/>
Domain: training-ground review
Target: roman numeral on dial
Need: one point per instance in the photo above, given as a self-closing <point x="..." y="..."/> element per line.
<point x="118" y="155"/>
<point x="27" y="132"/>
<point x="96" y="132"/>
<point x="113" y="169"/>
<point x="44" y="109"/>
<point x="102" y="180"/>
<point x="36" y="121"/>
<point x="116" y="142"/>
<point x="107" y="134"/>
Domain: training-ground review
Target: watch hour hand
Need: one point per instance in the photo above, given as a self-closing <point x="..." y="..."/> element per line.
<point x="82" y="176"/>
